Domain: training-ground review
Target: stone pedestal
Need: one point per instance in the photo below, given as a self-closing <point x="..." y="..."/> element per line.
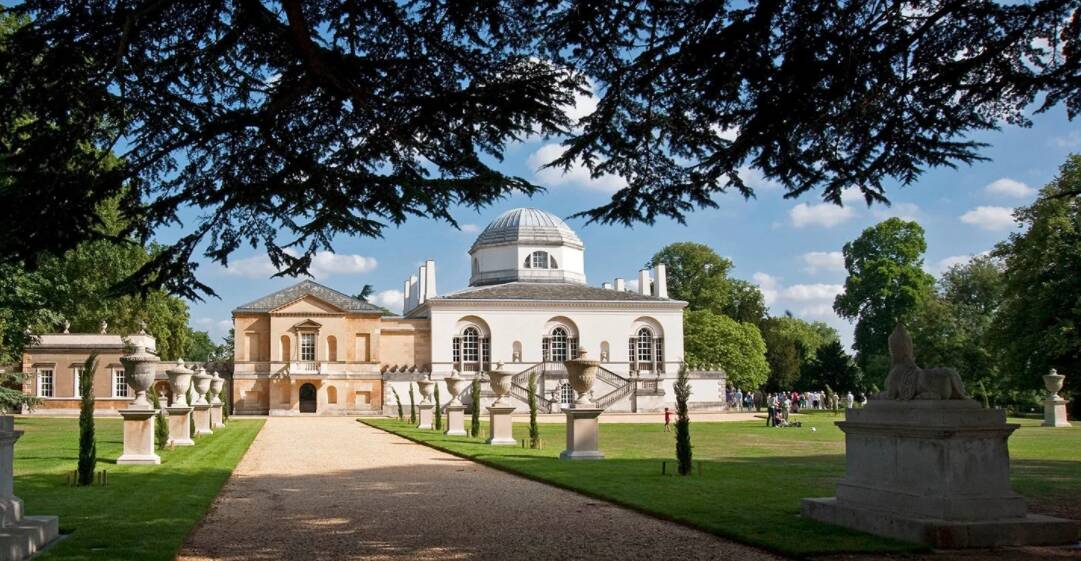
<point x="20" y="536"/>
<point x="500" y="426"/>
<point x="456" y="420"/>
<point x="180" y="426"/>
<point x="201" y="414"/>
<point x="215" y="416"/>
<point x="582" y="434"/>
<point x="426" y="415"/>
<point x="934" y="472"/>
<point x="138" y="437"/>
<point x="1054" y="412"/>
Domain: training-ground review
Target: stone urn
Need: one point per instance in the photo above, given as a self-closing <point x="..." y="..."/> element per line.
<point x="426" y="387"/>
<point x="582" y="372"/>
<point x="216" y="383"/>
<point x="202" y="386"/>
<point x="179" y="382"/>
<point x="1053" y="383"/>
<point x="499" y="381"/>
<point x="455" y="385"/>
<point x="139" y="369"/>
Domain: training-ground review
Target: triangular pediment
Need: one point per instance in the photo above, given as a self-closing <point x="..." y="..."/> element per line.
<point x="307" y="324"/>
<point x="308" y="305"/>
<point x="308" y="296"/>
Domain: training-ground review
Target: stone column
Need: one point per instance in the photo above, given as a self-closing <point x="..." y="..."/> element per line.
<point x="426" y="407"/>
<point x="500" y="424"/>
<point x="201" y="406"/>
<point x="179" y="410"/>
<point x="216" y="383"/>
<point x="139" y="369"/>
<point x="583" y="415"/>
<point x="20" y="536"/>
<point x="1054" y="406"/>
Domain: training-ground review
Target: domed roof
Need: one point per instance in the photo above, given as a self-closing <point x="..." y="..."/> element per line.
<point x="527" y="225"/>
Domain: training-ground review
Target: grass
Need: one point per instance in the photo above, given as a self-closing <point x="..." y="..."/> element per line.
<point x="753" y="477"/>
<point x="145" y="512"/>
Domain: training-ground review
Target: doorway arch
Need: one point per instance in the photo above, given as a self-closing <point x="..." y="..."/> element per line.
<point x="308" y="398"/>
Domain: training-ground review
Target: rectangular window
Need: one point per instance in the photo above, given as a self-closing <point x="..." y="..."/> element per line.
<point x="45" y="382"/>
<point x="660" y="353"/>
<point x="456" y="350"/>
<point x="307" y="346"/>
<point x="120" y="383"/>
<point x="76" y="375"/>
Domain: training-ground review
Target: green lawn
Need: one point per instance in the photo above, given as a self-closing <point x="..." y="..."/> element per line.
<point x="752" y="476"/>
<point x="145" y="512"/>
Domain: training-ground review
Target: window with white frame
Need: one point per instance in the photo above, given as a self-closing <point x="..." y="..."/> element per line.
<point x="540" y="260"/>
<point x="470" y="345"/>
<point x="120" y="383"/>
<point x="566" y="394"/>
<point x="645" y="346"/>
<point x="76" y="377"/>
<point x="307" y="347"/>
<point x="45" y="382"/>
<point x="557" y="343"/>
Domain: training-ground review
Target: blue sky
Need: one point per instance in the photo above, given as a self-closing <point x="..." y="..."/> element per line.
<point x="790" y="248"/>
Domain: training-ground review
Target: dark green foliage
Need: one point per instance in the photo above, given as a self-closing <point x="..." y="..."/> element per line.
<point x="412" y="406"/>
<point x="398" y="400"/>
<point x="191" y="414"/>
<point x="474" y="422"/>
<point x="88" y="446"/>
<point x="534" y="433"/>
<point x="438" y="410"/>
<point x="226" y="402"/>
<point x="682" y="388"/>
<point x="12" y="397"/>
<point x="161" y="426"/>
<point x="698" y="275"/>
<point x="259" y="153"/>
<point x="831" y="367"/>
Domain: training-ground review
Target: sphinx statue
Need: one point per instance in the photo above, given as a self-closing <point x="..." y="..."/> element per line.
<point x="906" y="381"/>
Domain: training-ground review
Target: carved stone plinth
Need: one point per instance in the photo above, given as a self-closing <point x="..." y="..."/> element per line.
<point x="201" y="414"/>
<point x="20" y="536"/>
<point x="934" y="472"/>
<point x="215" y="415"/>
<point x="1054" y="412"/>
<point x="138" y="437"/>
<point x="426" y="416"/>
<point x="582" y="434"/>
<point x="456" y="420"/>
<point x="180" y="426"/>
<point x="500" y="426"/>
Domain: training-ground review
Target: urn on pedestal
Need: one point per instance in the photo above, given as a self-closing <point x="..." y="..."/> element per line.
<point x="455" y="385"/>
<point x="426" y="407"/>
<point x="500" y="424"/>
<point x="201" y="413"/>
<point x="425" y="387"/>
<point x="582" y="372"/>
<point x="139" y="369"/>
<point x="202" y="386"/>
<point x="216" y="383"/>
<point x="499" y="381"/>
<point x="1054" y="406"/>
<point x="455" y="409"/>
<point x="179" y="383"/>
<point x="583" y="415"/>
<point x="180" y="410"/>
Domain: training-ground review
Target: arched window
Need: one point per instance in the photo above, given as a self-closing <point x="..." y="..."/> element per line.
<point x="645" y="346"/>
<point x="332" y="395"/>
<point x="471" y="348"/>
<point x="470" y="345"/>
<point x="558" y="344"/>
<point x="566" y="394"/>
<point x="540" y="260"/>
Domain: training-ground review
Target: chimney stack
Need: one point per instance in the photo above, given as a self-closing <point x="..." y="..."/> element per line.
<point x="643" y="282"/>
<point x="429" y="284"/>
<point x="619" y="284"/>
<point x="422" y="284"/>
<point x="606" y="285"/>
<point x="662" y="280"/>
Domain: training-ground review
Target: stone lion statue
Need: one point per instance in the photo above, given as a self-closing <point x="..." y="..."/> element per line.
<point x="907" y="381"/>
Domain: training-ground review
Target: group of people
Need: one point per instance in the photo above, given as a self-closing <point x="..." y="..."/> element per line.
<point x="780" y="404"/>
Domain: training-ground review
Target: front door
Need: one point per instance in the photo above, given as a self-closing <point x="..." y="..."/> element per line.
<point x="307" y="398"/>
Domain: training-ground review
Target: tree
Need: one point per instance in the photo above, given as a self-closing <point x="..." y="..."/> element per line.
<point x="88" y="446"/>
<point x="682" y="389"/>
<point x="161" y="426"/>
<point x="319" y="119"/>
<point x="831" y="368"/>
<point x="438" y="411"/>
<point x="226" y="402"/>
<point x="790" y="344"/>
<point x="365" y="293"/>
<point x="737" y="347"/>
<point x="534" y="431"/>
<point x="412" y="407"/>
<point x="1039" y="319"/>
<point x="398" y="400"/>
<point x="201" y="348"/>
<point x="886" y="284"/>
<point x="191" y="416"/>
<point x="699" y="276"/>
<point x="474" y="421"/>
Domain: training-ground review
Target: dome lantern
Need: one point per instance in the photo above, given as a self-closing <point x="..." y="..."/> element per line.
<point x="527" y="244"/>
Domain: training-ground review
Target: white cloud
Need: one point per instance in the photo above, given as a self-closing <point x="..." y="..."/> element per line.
<point x="1007" y="187"/>
<point x="470" y="228"/>
<point x="904" y="211"/>
<point x="945" y="263"/>
<point x="768" y="284"/>
<point x="216" y="328"/>
<point x="1072" y="140"/>
<point x="390" y="299"/>
<point x="852" y="195"/>
<point x="584" y="104"/>
<point x="754" y="179"/>
<point x="825" y="214"/>
<point x="577" y="175"/>
<point x="806" y="292"/>
<point x="818" y="311"/>
<point x="729" y="134"/>
<point x="989" y="217"/>
<point x="324" y="264"/>
<point x="823" y="261"/>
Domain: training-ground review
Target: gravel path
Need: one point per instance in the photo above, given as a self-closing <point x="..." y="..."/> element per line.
<point x="321" y="488"/>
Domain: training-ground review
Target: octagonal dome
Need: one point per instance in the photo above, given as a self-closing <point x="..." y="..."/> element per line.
<point x="527" y="226"/>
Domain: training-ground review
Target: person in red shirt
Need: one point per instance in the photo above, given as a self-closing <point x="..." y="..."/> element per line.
<point x="667" y="420"/>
